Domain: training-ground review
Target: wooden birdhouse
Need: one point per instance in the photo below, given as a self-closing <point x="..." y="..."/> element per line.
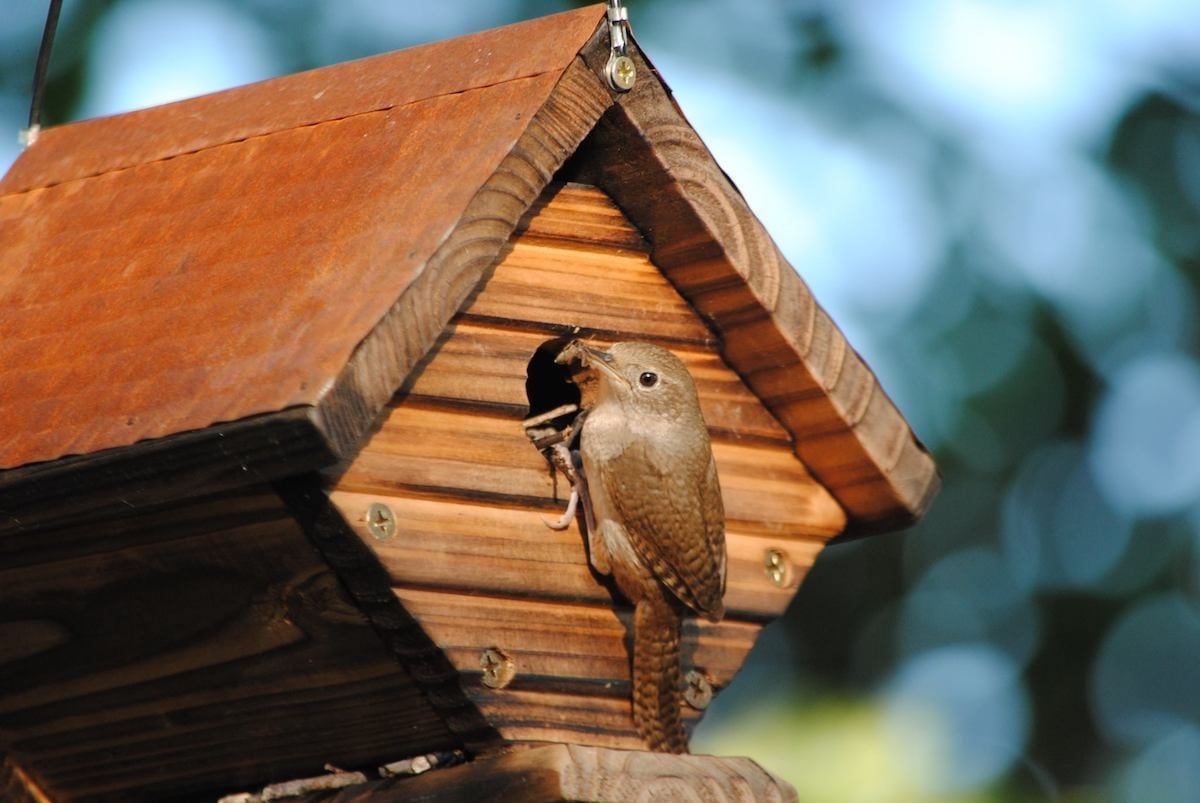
<point x="268" y="503"/>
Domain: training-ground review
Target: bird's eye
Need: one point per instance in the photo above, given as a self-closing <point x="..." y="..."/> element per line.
<point x="648" y="379"/>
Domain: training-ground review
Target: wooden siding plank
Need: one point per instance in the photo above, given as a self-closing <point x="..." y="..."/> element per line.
<point x="508" y="551"/>
<point x="560" y="285"/>
<point x="481" y="364"/>
<point x="186" y="650"/>
<point x="473" y="455"/>
<point x="563" y="653"/>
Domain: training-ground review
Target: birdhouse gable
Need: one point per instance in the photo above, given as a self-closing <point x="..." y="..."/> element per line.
<point x="467" y="551"/>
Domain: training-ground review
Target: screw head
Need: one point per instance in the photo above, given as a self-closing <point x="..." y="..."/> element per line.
<point x="381" y="522"/>
<point x="778" y="568"/>
<point x="622" y="73"/>
<point x="498" y="669"/>
<point x="698" y="690"/>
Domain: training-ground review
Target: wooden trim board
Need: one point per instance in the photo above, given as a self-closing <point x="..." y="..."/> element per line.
<point x="569" y="772"/>
<point x="718" y="255"/>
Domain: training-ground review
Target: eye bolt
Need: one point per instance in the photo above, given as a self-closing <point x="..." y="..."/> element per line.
<point x="648" y="379"/>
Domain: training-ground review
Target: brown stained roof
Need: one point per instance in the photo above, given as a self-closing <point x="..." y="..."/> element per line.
<point x="229" y="289"/>
<point x="221" y="257"/>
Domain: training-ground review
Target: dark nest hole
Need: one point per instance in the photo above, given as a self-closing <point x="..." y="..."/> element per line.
<point x="555" y="405"/>
<point x="554" y="397"/>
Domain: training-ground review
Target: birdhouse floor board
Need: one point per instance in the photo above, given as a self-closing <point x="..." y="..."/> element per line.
<point x="571" y="772"/>
<point x="509" y="552"/>
<point x="183" y="650"/>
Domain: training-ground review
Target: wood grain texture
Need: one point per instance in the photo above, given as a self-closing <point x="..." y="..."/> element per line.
<point x="309" y="266"/>
<point x="466" y="454"/>
<point x="137" y="302"/>
<point x="16" y="786"/>
<point x="481" y="368"/>
<point x="470" y="557"/>
<point x="570" y="772"/>
<point x="507" y="551"/>
<point x="90" y="147"/>
<point x="189" y="650"/>
<point x="571" y="662"/>
<point x="415" y="321"/>
<point x="775" y="335"/>
<point x="153" y="472"/>
<point x="367" y="582"/>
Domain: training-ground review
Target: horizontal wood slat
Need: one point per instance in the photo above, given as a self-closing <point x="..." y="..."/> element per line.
<point x="472" y="455"/>
<point x="583" y="215"/>
<point x="612" y="291"/>
<point x="509" y="551"/>
<point x="176" y="652"/>
<point x="478" y="364"/>
<point x="563" y="655"/>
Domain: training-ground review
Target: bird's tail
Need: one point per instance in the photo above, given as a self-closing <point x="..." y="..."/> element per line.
<point x="657" y="680"/>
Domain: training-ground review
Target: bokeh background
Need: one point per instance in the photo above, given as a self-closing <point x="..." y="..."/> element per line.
<point x="999" y="202"/>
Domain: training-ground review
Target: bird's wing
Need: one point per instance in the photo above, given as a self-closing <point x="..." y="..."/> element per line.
<point x="675" y="519"/>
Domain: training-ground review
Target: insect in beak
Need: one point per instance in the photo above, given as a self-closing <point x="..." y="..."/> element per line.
<point x="592" y="357"/>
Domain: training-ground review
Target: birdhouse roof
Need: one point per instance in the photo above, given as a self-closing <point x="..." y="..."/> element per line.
<point x="229" y="288"/>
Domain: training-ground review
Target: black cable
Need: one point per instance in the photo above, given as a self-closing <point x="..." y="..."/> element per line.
<point x="43" y="63"/>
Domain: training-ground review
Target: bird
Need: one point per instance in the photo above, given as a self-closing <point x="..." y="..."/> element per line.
<point x="655" y="516"/>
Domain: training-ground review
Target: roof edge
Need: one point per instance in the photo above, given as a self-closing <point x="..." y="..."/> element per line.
<point x="709" y="244"/>
<point x="189" y="464"/>
<point x="275" y="445"/>
<point x="384" y="360"/>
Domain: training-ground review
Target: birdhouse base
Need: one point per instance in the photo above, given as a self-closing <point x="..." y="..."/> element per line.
<point x="564" y="772"/>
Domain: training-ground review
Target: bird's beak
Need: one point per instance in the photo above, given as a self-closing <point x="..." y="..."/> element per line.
<point x="592" y="357"/>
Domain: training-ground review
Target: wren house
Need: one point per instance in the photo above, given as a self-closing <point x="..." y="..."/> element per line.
<point x="267" y="502"/>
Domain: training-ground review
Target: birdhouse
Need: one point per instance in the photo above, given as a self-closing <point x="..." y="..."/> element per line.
<point x="270" y="364"/>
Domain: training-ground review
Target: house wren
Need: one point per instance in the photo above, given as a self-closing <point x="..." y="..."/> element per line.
<point x="657" y="522"/>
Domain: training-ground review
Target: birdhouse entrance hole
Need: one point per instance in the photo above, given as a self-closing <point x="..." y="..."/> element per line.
<point x="554" y="399"/>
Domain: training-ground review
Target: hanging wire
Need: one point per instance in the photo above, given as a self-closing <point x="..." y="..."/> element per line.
<point x="39" y="73"/>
